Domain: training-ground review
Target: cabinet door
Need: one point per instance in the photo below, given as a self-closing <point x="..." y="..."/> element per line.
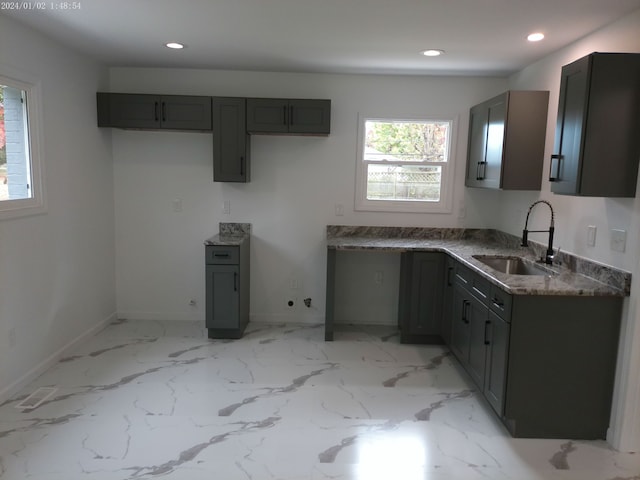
<point x="565" y="162"/>
<point x="478" y="120"/>
<point x="309" y="116"/>
<point x="223" y="296"/>
<point x="180" y="112"/>
<point x="230" y="140"/>
<point x="497" y="111"/>
<point x="478" y="317"/>
<point x="127" y="110"/>
<point x="460" y="331"/>
<point x="426" y="293"/>
<point x="447" y="307"/>
<point x="497" y="357"/>
<point x="267" y="115"/>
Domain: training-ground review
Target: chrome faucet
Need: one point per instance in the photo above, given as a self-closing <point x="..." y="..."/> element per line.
<point x="525" y="233"/>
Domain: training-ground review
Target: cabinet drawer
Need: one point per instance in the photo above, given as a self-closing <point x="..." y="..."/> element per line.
<point x="500" y="303"/>
<point x="222" y="255"/>
<point x="473" y="282"/>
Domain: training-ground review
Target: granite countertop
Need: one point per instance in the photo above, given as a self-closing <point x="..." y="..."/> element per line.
<point x="230" y="234"/>
<point x="572" y="276"/>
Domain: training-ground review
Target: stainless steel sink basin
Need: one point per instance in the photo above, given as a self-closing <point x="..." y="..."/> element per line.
<point x="512" y="265"/>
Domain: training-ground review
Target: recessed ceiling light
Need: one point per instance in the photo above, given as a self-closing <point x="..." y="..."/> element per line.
<point x="535" y="37"/>
<point x="174" y="45"/>
<point x="432" y="52"/>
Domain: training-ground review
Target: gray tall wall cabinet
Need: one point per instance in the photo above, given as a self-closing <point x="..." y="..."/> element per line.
<point x="597" y="143"/>
<point x="506" y="141"/>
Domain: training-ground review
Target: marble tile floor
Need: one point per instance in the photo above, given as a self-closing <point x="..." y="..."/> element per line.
<point x="147" y="400"/>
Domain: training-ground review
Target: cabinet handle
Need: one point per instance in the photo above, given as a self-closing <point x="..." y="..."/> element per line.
<point x="496" y="301"/>
<point x="556" y="177"/>
<point x="481" y="170"/>
<point x="164" y="112"/>
<point x="486" y="327"/>
<point x="155" y="111"/>
<point x="449" y="271"/>
<point x="235" y="282"/>
<point x="465" y="304"/>
<point x="221" y="255"/>
<point x="241" y="166"/>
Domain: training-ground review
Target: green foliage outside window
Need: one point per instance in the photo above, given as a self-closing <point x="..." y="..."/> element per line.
<point x="407" y="141"/>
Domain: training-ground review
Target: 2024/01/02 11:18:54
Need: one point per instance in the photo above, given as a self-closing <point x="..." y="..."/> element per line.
<point x="40" y="5"/>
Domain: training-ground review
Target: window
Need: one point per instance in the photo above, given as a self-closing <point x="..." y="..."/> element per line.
<point x="404" y="165"/>
<point x="20" y="175"/>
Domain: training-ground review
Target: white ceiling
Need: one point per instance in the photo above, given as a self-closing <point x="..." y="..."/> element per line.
<point x="485" y="37"/>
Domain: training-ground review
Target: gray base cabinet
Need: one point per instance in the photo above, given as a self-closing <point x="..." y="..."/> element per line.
<point x="420" y="299"/>
<point x="506" y="141"/>
<point x="597" y="144"/>
<point x="545" y="364"/>
<point x="154" y="112"/>
<point x="227" y="290"/>
<point x="231" y="145"/>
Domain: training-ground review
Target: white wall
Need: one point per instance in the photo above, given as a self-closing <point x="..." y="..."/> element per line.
<point x="574" y="214"/>
<point x="56" y="268"/>
<point x="296" y="182"/>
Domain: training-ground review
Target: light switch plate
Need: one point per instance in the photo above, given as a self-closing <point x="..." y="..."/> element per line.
<point x="618" y="240"/>
<point x="226" y="207"/>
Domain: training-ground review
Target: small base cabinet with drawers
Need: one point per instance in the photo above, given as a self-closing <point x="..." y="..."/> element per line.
<point x="227" y="289"/>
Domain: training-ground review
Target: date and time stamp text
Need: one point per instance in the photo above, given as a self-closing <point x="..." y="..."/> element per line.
<point x="39" y="6"/>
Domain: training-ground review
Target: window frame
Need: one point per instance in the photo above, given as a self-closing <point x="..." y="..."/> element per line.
<point x="36" y="203"/>
<point x="362" y="203"/>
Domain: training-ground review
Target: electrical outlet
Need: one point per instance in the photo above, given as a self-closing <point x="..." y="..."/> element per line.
<point x="618" y="240"/>
<point x="339" y="210"/>
<point x="176" y="205"/>
<point x="591" y="235"/>
<point x="226" y="207"/>
<point x="378" y="278"/>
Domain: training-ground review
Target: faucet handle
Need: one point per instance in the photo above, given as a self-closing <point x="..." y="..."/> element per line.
<point x="553" y="257"/>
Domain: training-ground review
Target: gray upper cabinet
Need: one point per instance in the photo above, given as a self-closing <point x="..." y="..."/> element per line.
<point x="506" y="141"/>
<point x="140" y="111"/>
<point x="597" y="145"/>
<point x="231" y="145"/>
<point x="288" y="116"/>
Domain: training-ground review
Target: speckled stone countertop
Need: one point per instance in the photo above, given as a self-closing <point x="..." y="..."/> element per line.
<point x="573" y="275"/>
<point x="230" y="234"/>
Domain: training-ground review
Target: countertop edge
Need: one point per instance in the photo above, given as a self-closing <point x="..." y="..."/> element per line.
<point x="564" y="283"/>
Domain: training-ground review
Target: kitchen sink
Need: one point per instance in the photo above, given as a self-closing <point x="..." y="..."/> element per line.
<point x="512" y="265"/>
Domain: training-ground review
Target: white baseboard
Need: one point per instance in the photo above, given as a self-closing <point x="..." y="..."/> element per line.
<point x="286" y="318"/>
<point x="162" y="316"/>
<point x="14" y="387"/>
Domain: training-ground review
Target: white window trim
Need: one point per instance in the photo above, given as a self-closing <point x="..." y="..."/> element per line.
<point x="37" y="203"/>
<point x="446" y="192"/>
